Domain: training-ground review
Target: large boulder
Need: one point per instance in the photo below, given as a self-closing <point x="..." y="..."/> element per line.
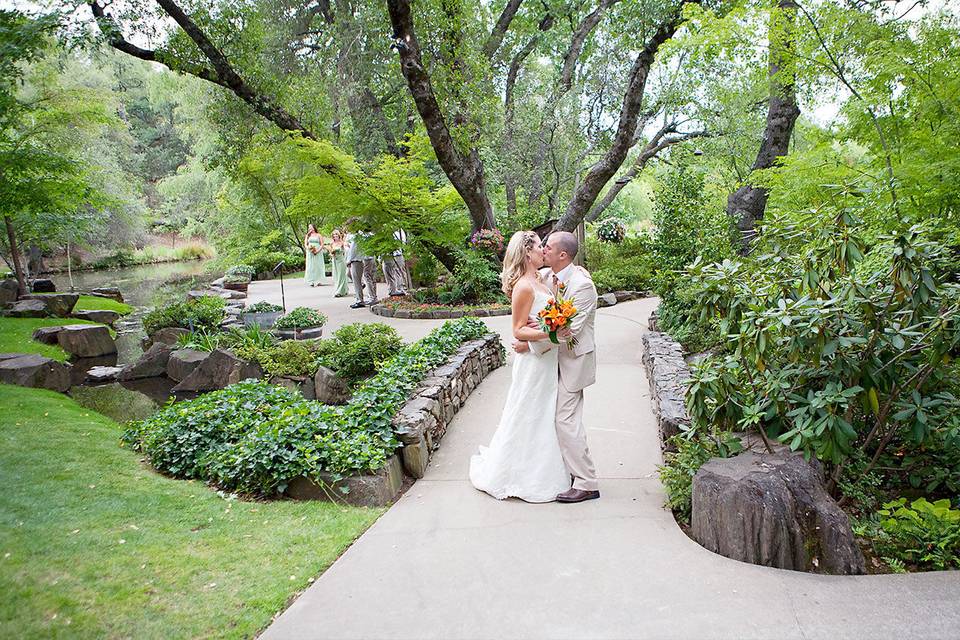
<point x="97" y="315"/>
<point x="47" y="335"/>
<point x="772" y="510"/>
<point x="220" y="369"/>
<point x="58" y="304"/>
<point x="329" y="388"/>
<point x="43" y="285"/>
<point x="107" y="292"/>
<point x="151" y="364"/>
<point x="168" y="336"/>
<point x="27" y="309"/>
<point x="297" y="384"/>
<point x="182" y="362"/>
<point x="8" y="292"/>
<point x="86" y="340"/>
<point x="32" y="370"/>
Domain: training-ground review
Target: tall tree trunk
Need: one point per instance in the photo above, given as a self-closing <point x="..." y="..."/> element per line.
<point x="624" y="138"/>
<point x="15" y="256"/>
<point x="465" y="170"/>
<point x="746" y="205"/>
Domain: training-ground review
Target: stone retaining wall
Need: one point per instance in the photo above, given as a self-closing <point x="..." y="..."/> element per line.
<point x="436" y="314"/>
<point x="667" y="374"/>
<point x="422" y="422"/>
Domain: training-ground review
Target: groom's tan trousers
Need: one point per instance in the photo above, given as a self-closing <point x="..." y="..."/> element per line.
<point x="573" y="438"/>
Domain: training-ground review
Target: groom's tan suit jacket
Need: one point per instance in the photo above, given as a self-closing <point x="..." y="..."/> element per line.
<point x="578" y="366"/>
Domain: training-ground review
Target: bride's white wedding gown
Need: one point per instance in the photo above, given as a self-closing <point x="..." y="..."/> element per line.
<point x="523" y="459"/>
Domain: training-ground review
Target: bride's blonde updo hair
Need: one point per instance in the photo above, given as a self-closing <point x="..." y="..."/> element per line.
<point x="515" y="259"/>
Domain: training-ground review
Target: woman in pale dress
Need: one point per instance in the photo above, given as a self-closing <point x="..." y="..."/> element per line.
<point x="523" y="459"/>
<point x="338" y="263"/>
<point x="315" y="272"/>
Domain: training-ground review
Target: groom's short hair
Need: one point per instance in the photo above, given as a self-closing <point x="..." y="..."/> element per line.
<point x="566" y="242"/>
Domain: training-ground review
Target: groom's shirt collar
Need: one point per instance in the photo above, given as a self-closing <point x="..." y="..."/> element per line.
<point x="564" y="274"/>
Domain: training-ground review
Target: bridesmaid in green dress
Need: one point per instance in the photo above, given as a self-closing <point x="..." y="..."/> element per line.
<point x="338" y="260"/>
<point x="316" y="271"/>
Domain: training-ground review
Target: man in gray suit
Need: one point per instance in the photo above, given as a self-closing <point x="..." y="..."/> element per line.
<point x="362" y="268"/>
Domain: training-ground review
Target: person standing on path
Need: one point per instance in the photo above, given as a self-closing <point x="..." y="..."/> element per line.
<point x="315" y="272"/>
<point x="362" y="269"/>
<point x="338" y="262"/>
<point x="577" y="364"/>
<point x="394" y="269"/>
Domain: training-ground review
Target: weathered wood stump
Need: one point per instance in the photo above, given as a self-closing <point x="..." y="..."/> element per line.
<point x="773" y="510"/>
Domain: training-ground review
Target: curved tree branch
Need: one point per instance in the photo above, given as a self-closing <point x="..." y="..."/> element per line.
<point x="495" y="39"/>
<point x="220" y="71"/>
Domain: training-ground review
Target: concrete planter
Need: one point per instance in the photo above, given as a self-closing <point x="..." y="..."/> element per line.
<point x="263" y="320"/>
<point x="300" y="333"/>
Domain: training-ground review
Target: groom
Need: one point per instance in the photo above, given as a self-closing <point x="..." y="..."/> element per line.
<point x="578" y="365"/>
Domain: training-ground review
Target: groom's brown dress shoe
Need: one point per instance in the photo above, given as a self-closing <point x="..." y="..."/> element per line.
<point x="577" y="495"/>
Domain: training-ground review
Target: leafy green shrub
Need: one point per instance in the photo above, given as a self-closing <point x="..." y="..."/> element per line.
<point x="286" y="358"/>
<point x="263" y="307"/>
<point x="925" y="533"/>
<point x="205" y="312"/>
<point x="425" y="270"/>
<point x="203" y="340"/>
<point x="300" y="318"/>
<point x="357" y="350"/>
<point x="116" y="260"/>
<point x="624" y="266"/>
<point x="241" y="270"/>
<point x="255" y="438"/>
<point x="475" y="281"/>
<point x="829" y="360"/>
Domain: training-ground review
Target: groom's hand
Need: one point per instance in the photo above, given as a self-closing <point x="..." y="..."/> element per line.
<point x="521" y="346"/>
<point x="533" y="324"/>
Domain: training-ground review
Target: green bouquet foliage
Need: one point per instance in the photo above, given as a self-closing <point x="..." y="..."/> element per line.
<point x="256" y="438"/>
<point x="205" y="312"/>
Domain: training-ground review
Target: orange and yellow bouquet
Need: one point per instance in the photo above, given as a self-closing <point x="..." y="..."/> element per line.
<point x="556" y="315"/>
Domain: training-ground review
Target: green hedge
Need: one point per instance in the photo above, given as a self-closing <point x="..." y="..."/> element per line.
<point x="206" y="313"/>
<point x="255" y="438"/>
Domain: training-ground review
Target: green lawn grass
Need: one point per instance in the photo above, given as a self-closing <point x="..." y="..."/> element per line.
<point x="96" y="303"/>
<point x="16" y="336"/>
<point x="93" y="544"/>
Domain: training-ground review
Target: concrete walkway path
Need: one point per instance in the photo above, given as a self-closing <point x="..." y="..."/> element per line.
<point x="447" y="561"/>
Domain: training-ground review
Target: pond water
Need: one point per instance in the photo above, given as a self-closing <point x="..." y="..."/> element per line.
<point x="142" y="287"/>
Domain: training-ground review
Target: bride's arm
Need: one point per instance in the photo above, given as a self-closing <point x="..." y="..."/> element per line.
<point x="520" y="304"/>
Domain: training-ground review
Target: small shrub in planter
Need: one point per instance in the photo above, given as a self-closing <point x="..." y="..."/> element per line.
<point x="206" y="312"/>
<point x="301" y="323"/>
<point x="286" y="358"/>
<point x="262" y="314"/>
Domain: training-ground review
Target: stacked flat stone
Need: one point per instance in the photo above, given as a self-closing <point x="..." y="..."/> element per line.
<point x="668" y="375"/>
<point x="422" y="422"/>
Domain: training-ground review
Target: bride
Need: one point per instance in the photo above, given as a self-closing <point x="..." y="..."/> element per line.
<point x="523" y="459"/>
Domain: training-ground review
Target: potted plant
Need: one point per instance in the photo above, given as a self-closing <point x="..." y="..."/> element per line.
<point x="262" y="314"/>
<point x="303" y="323"/>
<point x="238" y="277"/>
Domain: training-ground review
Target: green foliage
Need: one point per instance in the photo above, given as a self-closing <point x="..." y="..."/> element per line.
<point x="300" y="318"/>
<point x="236" y="338"/>
<point x="475" y="281"/>
<point x="611" y="230"/>
<point x="924" y="533"/>
<point x="263" y="307"/>
<point x="255" y="438"/>
<point x="624" y="266"/>
<point x="205" y="312"/>
<point x="681" y="464"/>
<point x="825" y="359"/>
<point x="358" y="350"/>
<point x="285" y="358"/>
